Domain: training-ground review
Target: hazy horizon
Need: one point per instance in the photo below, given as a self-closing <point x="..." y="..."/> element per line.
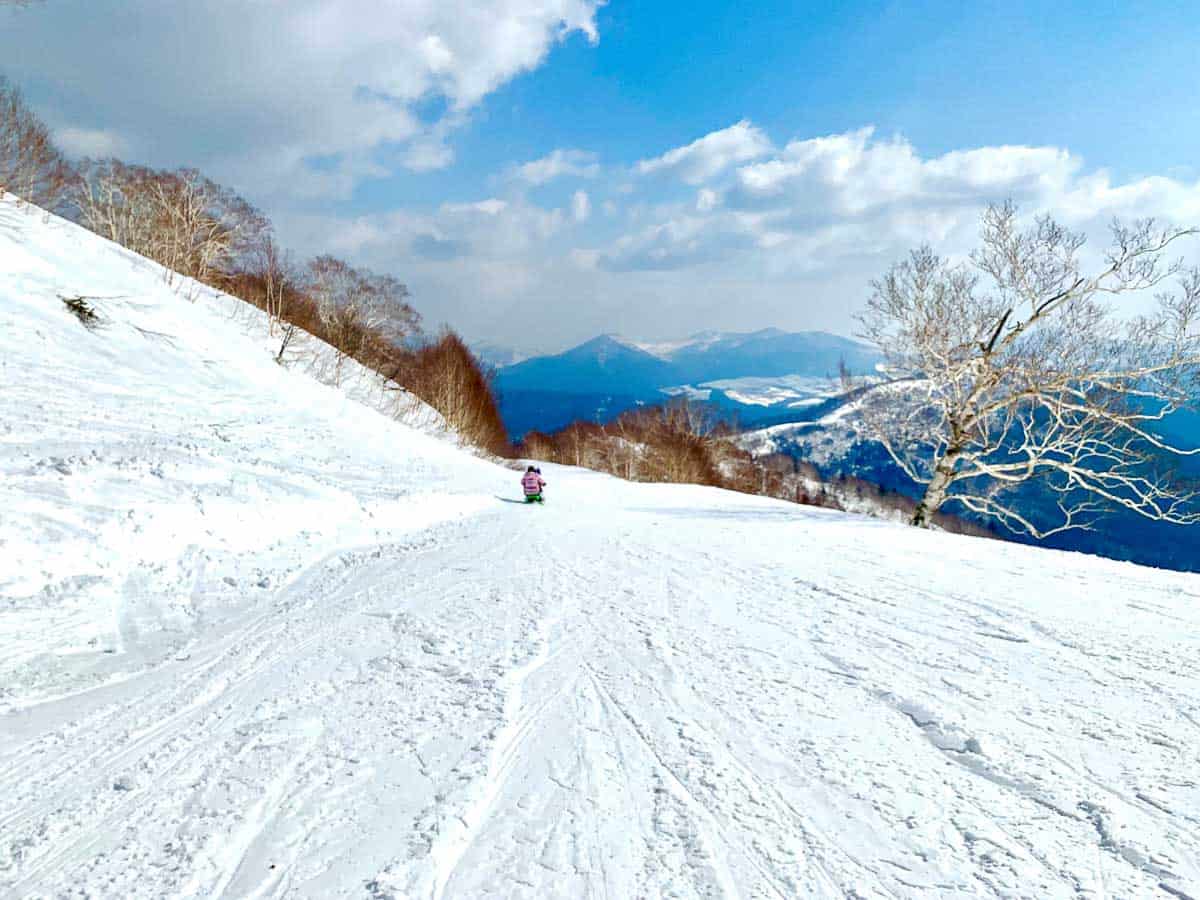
<point x="648" y="343"/>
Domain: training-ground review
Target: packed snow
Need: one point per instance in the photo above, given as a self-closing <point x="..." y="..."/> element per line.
<point x="259" y="639"/>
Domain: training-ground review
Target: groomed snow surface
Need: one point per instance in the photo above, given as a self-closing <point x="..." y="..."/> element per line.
<point x="259" y="640"/>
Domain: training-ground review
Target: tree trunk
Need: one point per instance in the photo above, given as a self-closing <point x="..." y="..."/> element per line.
<point x="935" y="492"/>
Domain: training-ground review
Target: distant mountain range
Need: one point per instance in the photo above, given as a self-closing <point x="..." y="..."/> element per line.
<point x="761" y="376"/>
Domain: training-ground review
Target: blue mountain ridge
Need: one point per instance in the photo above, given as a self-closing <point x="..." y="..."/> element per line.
<point x="601" y="378"/>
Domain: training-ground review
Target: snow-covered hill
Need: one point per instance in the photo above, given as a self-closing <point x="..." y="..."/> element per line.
<point x="259" y="640"/>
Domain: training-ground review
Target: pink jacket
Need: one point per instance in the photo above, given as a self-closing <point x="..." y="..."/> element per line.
<point x="533" y="483"/>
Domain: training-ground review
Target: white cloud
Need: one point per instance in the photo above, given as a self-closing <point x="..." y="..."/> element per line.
<point x="263" y="92"/>
<point x="710" y="155"/>
<point x="846" y="204"/>
<point x="682" y="241"/>
<point x="560" y="163"/>
<point x="581" y="206"/>
<point x="428" y="153"/>
<point x="493" y="206"/>
<point x="481" y="266"/>
<point x="493" y="228"/>
<point x="852" y="173"/>
<point x="94" y="142"/>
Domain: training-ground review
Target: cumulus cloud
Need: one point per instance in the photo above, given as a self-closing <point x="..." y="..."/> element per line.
<point x="427" y="153"/>
<point x="852" y="203"/>
<point x="710" y="155"/>
<point x="851" y="174"/>
<point x="559" y="164"/>
<point x="250" y="96"/>
<point x="682" y="241"/>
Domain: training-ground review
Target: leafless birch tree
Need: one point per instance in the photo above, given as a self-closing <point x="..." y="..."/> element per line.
<point x="275" y="274"/>
<point x="1014" y="368"/>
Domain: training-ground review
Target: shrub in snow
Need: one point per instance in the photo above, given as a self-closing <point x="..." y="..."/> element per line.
<point x="83" y="311"/>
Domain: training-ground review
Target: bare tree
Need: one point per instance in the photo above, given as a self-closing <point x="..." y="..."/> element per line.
<point x="446" y="375"/>
<point x="274" y="274"/>
<point x="30" y="165"/>
<point x="186" y="222"/>
<point x="342" y="305"/>
<point x="672" y="443"/>
<point x="364" y="316"/>
<point x="1014" y="369"/>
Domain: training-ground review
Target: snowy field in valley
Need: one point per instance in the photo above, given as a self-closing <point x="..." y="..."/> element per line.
<point x="800" y="390"/>
<point x="259" y="640"/>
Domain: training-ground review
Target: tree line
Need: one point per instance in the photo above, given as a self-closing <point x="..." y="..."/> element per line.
<point x="686" y="442"/>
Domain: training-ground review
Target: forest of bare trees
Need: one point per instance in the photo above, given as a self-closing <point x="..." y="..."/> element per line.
<point x="366" y="317"/>
<point x="186" y="222"/>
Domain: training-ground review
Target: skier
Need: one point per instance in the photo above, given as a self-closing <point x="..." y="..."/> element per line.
<point x="532" y="483"/>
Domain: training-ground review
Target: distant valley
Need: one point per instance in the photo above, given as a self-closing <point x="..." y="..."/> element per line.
<point x="757" y="378"/>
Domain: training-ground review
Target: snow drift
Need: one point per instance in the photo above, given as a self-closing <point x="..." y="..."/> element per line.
<point x="258" y="639"/>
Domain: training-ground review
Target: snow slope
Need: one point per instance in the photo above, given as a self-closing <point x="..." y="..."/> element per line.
<point x="258" y="640"/>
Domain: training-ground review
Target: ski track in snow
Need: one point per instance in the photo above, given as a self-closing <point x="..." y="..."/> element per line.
<point x="306" y="652"/>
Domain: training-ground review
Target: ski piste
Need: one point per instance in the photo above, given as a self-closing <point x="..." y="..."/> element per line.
<point x="258" y="639"/>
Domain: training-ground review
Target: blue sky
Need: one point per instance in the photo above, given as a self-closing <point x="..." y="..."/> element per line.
<point x="1112" y="85"/>
<point x="800" y="147"/>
